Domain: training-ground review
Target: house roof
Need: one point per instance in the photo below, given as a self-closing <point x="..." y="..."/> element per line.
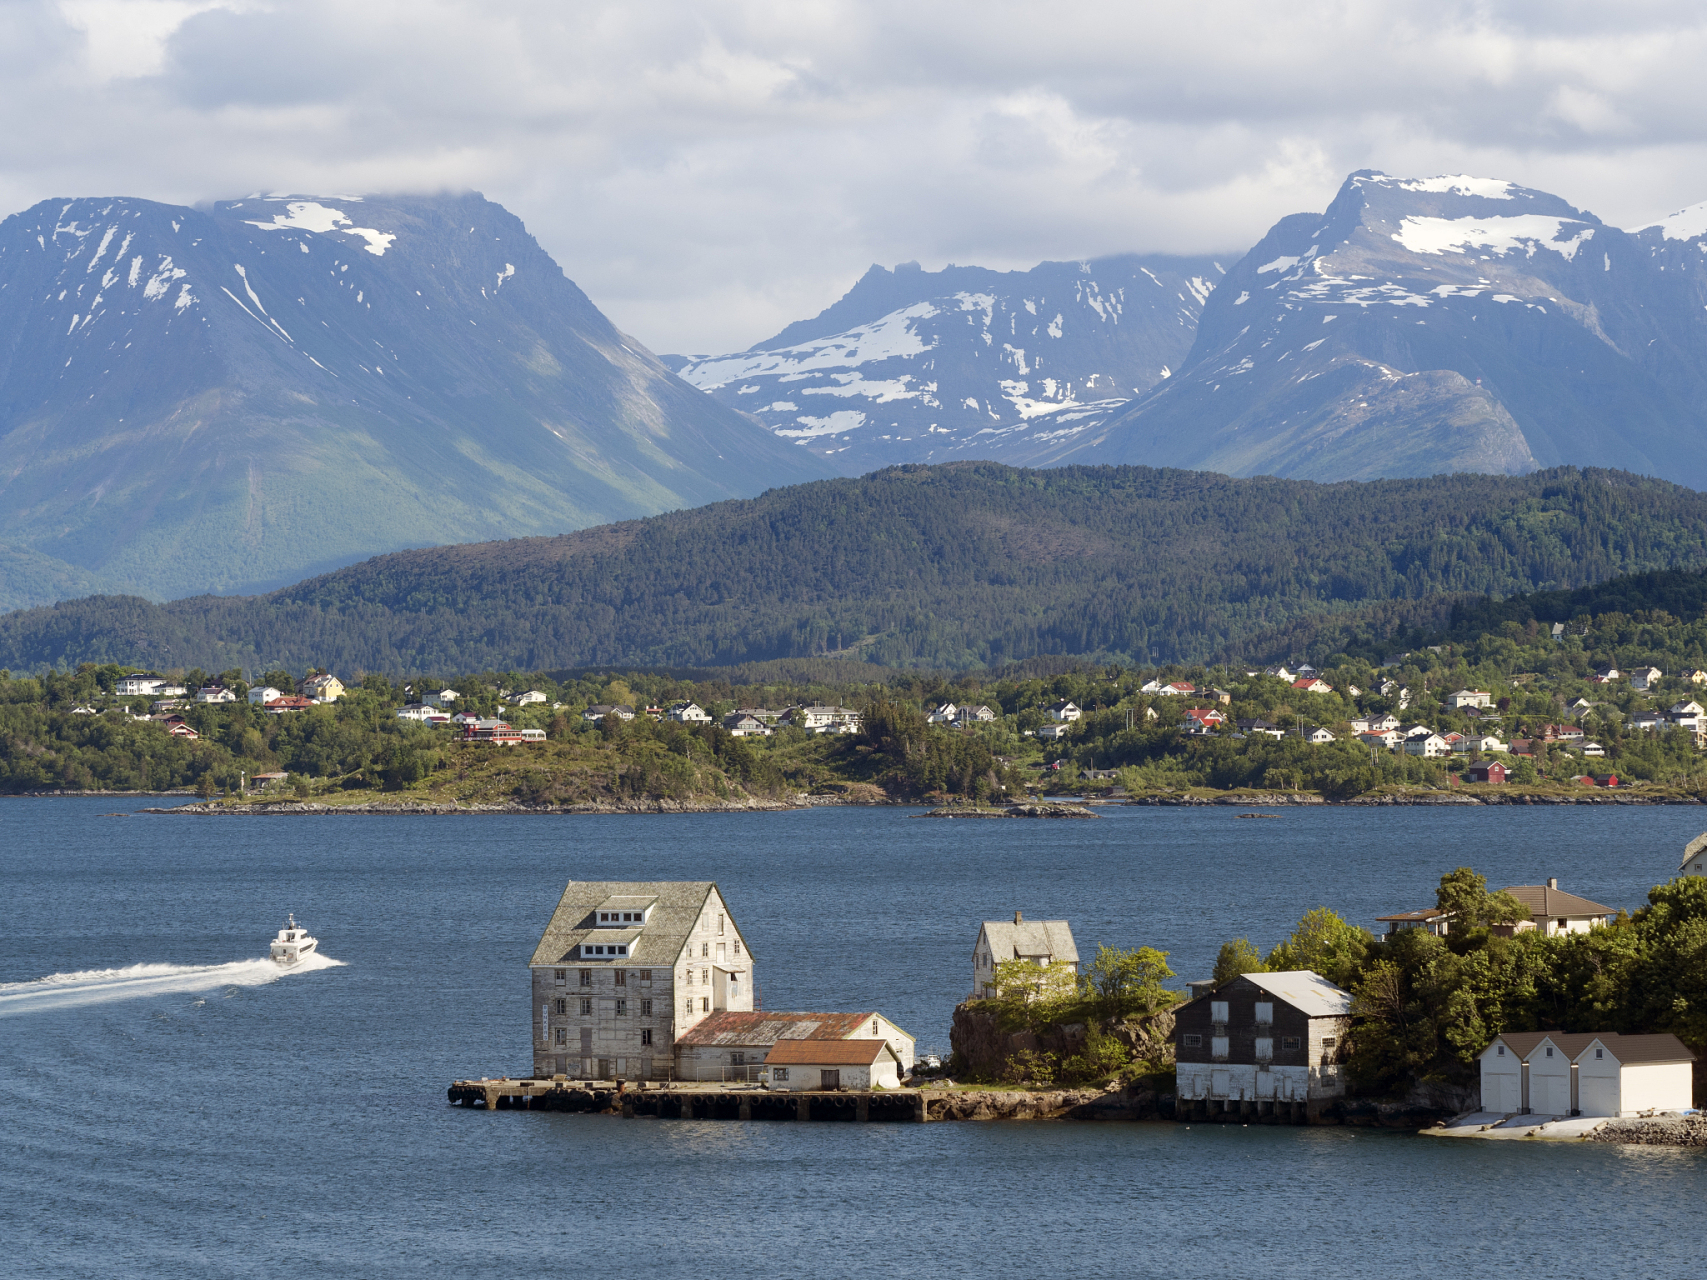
<point x="1694" y="847"/>
<point x="1553" y="904"/>
<point x="1307" y="991"/>
<point x="1629" y="1050"/>
<point x="1425" y="914"/>
<point x="1010" y="941"/>
<point x="676" y="911"/>
<point x="828" y="1053"/>
<point x="767" y="1028"/>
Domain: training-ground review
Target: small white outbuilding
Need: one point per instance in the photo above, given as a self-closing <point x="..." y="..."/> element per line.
<point x="1556" y="1073"/>
<point x="798" y="1065"/>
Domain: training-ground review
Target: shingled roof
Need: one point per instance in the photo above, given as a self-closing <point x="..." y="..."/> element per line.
<point x="831" y="1053"/>
<point x="658" y="943"/>
<point x="1547" y="903"/>
<point x="1010" y="940"/>
<point x="1629" y="1050"/>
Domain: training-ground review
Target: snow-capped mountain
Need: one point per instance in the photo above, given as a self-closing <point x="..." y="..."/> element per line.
<point x="205" y="399"/>
<point x="1438" y="324"/>
<point x="919" y="366"/>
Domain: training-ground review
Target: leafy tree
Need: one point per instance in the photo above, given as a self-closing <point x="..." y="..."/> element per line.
<point x="1326" y="944"/>
<point x="1237" y="957"/>
<point x="1126" y="983"/>
<point x="1464" y="895"/>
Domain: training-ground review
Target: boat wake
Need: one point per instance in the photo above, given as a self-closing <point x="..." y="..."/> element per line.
<point x="101" y="986"/>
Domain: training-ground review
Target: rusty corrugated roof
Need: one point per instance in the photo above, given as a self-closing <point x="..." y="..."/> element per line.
<point x="767" y="1028"/>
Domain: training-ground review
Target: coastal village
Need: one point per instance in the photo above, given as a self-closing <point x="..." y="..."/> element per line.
<point x="646" y="1001"/>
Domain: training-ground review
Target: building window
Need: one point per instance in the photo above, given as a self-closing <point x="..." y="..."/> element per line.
<point x="622" y="1008"/>
<point x="562" y="976"/>
<point x="646" y="1012"/>
<point x="1218" y="1047"/>
<point x="779" y="1074"/>
<point x="646" y="1036"/>
<point x="690" y="1006"/>
<point x="689" y="978"/>
<point x="1265" y="1048"/>
<point x="737" y="1059"/>
<point x="1549" y="1049"/>
<point x="586" y="1008"/>
<point x="645" y="975"/>
<point x="705" y="1004"/>
<point x="737" y="948"/>
<point x="586" y="977"/>
<point x="562" y="1036"/>
<point x="705" y="975"/>
<point x="622" y="977"/>
<point x="1328" y="1042"/>
<point x="1265" y="1012"/>
<point x="562" y="1005"/>
<point x="1218" y="1011"/>
<point x="874" y="1027"/>
<point x="1599" y="1053"/>
<point x="720" y="926"/>
<point x="720" y="956"/>
<point x="1192" y="1042"/>
<point x="1289" y="1042"/>
<point x="1502" y="1052"/>
<point x="704" y="950"/>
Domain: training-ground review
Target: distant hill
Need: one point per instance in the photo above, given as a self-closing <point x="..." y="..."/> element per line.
<point x="1423" y="325"/>
<point x="931" y="366"/>
<point x="234" y="397"/>
<point x="957" y="566"/>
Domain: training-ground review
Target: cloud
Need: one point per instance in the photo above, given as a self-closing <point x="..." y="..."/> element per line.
<point x="709" y="171"/>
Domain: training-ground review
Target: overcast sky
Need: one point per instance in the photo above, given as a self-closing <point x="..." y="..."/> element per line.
<point x="710" y="170"/>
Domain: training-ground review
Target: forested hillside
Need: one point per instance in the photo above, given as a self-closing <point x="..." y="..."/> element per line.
<point x="957" y="567"/>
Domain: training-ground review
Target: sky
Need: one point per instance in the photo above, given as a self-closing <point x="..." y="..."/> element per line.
<point x="709" y="171"/>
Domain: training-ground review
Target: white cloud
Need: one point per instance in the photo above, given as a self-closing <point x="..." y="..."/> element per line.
<point x="709" y="171"/>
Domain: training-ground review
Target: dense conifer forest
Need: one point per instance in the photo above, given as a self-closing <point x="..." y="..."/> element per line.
<point x="960" y="567"/>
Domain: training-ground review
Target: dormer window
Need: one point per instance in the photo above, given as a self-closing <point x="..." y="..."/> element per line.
<point x="620" y="919"/>
<point x="603" y="951"/>
<point x="624" y="912"/>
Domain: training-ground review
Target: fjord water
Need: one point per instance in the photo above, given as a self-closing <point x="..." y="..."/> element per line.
<point x="202" y="1117"/>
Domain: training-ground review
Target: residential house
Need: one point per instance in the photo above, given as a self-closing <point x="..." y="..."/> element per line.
<point x="1493" y="772"/>
<point x="1098" y="775"/>
<point x="1597" y="779"/>
<point x="975" y="715"/>
<point x="1553" y="911"/>
<point x="215" y="693"/>
<point x="1064" y="712"/>
<point x="1051" y="732"/>
<point x="1477" y="742"/>
<point x="138" y="685"/>
<point x="944" y="714"/>
<point x="737" y="1045"/>
<point x="1593" y="750"/>
<point x="796" y="1065"/>
<point x="499" y="733"/>
<point x="1222" y="697"/>
<point x="1312" y="684"/>
<point x="1645" y="677"/>
<point x="1558" y="631"/>
<point x="1177" y="689"/>
<point x="462" y="718"/>
<point x="1264" y="1039"/>
<point x="442" y="697"/>
<point x="182" y="730"/>
<point x="1694" y="857"/>
<point x="261" y="694"/>
<point x="598" y="711"/>
<point x="84" y="710"/>
<point x="1317" y="736"/>
<point x="1588" y="1073"/>
<point x="1281" y="673"/>
<point x="1042" y="941"/>
<point x="1259" y="726"/>
<point x="1566" y="733"/>
<point x="165" y="704"/>
<point x="1695" y="677"/>
<point x="287" y="702"/>
<point x="1431" y="747"/>
<point x="1521" y="747"/>
<point x="423" y="714"/>
<point x="1203" y="718"/>
<point x="1389" y="739"/>
<point x="529" y="698"/>
<point x="323" y="688"/>
<point x="1354" y="691"/>
<point x="1383" y="723"/>
<point x="1307" y="671"/>
<point x="626" y="968"/>
<point x="1470" y="698"/>
<point x="1649" y="721"/>
<point x="1433" y="919"/>
<point x="1360" y="724"/>
<point x="1686" y="712"/>
<point x="1606" y="675"/>
<point x="742" y="725"/>
<point x="688" y="713"/>
<point x="265" y="780"/>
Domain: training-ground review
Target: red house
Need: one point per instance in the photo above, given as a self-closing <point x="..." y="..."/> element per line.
<point x="1488" y="771"/>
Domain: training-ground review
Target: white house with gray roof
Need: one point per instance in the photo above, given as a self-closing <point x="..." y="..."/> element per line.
<point x="625" y="968"/>
<point x="1041" y="941"/>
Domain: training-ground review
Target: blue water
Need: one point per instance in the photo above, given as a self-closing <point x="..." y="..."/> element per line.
<point x="201" y="1117"/>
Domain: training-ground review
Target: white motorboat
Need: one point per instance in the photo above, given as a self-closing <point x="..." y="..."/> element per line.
<point x="293" y="943"/>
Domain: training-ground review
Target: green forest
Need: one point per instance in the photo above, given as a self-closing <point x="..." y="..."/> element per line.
<point x="963" y="567"/>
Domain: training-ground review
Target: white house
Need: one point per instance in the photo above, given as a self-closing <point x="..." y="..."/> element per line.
<point x="1381" y="724"/>
<point x="1050" y="732"/>
<point x="1281" y="673"/>
<point x="1480" y="742"/>
<point x="422" y="713"/>
<point x="1645" y="677"/>
<point x="138" y="685"/>
<point x="1470" y="698"/>
<point x="215" y="693"/>
<point x="529" y="698"/>
<point x="262" y="694"/>
<point x="1553" y="911"/>
<point x="742" y="725"/>
<point x="688" y="713"/>
<point x="1694" y="857"/>
<point x="599" y="710"/>
<point x="735" y="1045"/>
<point x="442" y="697"/>
<point x="1318" y="736"/>
<point x="1430" y="747"/>
<point x="1555" y="1073"/>
<point x="944" y="714"/>
<point x="799" y="1065"/>
<point x="1065" y="712"/>
<point x="971" y="715"/>
<point x="1041" y="941"/>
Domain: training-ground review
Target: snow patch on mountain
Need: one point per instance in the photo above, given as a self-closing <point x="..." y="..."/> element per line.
<point x="1527" y="232"/>
<point x="1685" y="224"/>
<point x="311" y="215"/>
<point x="1459" y="185"/>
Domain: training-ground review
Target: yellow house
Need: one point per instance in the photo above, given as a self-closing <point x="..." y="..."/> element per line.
<point x="322" y="688"/>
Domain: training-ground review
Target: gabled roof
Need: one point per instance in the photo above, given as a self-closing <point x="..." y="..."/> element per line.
<point x="1628" y="1050"/>
<point x="1555" y="904"/>
<point x="1422" y="915"/>
<point x="678" y="904"/>
<point x="1306" y="991"/>
<point x="1010" y="941"/>
<point x="767" y="1028"/>
<point x="829" y="1053"/>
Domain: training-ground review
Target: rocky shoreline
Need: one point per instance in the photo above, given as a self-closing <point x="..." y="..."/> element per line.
<point x="1687" y="1131"/>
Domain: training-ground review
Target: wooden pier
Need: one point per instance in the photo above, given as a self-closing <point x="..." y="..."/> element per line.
<point x="690" y="1102"/>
